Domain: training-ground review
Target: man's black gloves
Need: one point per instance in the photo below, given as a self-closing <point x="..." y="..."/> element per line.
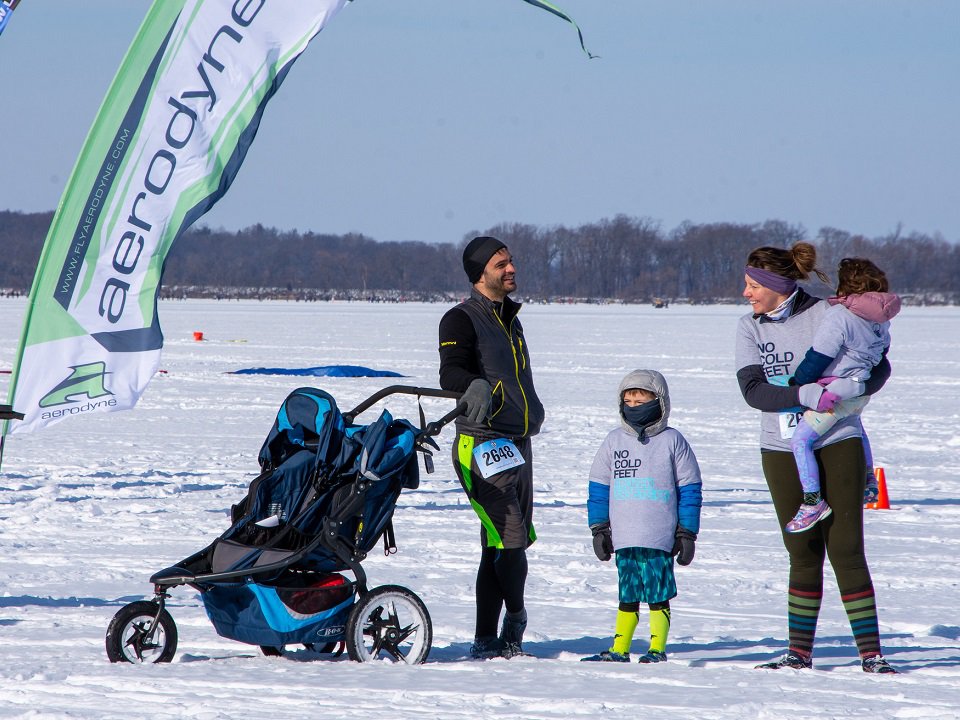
<point x="477" y="398"/>
<point x="602" y="540"/>
<point x="684" y="546"/>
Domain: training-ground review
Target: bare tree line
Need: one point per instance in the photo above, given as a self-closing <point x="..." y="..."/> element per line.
<point x="633" y="259"/>
<point x="622" y="258"/>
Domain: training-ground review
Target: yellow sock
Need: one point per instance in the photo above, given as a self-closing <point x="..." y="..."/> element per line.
<point x="623" y="631"/>
<point x="659" y="629"/>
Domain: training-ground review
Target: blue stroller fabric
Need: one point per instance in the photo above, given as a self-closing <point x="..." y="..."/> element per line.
<point x="256" y="613"/>
<point x="307" y="418"/>
<point x="318" y="472"/>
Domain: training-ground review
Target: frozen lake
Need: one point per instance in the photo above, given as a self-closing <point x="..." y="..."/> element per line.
<point x="90" y="508"/>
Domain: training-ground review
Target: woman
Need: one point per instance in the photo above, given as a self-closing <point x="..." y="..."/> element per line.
<point x="771" y="342"/>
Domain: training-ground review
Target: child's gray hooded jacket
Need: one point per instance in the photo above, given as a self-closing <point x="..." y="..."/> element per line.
<point x="645" y="488"/>
<point x="852" y="337"/>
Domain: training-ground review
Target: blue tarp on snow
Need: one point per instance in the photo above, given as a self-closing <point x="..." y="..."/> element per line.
<point x="322" y="371"/>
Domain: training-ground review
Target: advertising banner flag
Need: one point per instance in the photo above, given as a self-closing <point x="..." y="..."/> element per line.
<point x="6" y="10"/>
<point x="167" y="142"/>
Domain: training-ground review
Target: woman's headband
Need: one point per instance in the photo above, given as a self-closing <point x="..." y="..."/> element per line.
<point x="771" y="280"/>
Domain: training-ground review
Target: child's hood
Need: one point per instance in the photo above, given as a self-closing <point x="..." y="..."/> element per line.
<point x="872" y="306"/>
<point x="654" y="382"/>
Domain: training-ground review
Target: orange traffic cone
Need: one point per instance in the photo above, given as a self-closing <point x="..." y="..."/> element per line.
<point x="883" y="500"/>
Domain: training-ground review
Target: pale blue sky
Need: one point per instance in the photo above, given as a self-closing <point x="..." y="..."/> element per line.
<point x="428" y="119"/>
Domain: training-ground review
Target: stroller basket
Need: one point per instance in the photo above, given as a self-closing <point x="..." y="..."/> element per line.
<point x="299" y="608"/>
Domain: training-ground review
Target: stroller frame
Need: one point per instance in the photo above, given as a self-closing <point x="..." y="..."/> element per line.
<point x="144" y="631"/>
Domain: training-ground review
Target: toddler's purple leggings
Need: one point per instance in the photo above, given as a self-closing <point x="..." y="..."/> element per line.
<point x="802" y="446"/>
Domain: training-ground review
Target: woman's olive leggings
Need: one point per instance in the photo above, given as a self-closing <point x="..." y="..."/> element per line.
<point x="838" y="538"/>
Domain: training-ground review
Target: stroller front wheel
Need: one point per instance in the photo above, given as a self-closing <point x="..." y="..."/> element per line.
<point x="389" y="622"/>
<point x="141" y="632"/>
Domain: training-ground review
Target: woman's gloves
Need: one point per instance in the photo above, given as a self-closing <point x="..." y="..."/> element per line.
<point x="477" y="398"/>
<point x="602" y="540"/>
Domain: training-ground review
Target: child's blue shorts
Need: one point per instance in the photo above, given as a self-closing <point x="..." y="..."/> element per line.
<point x="646" y="575"/>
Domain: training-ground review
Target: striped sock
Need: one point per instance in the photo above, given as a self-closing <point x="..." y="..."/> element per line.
<point x="623" y="631"/>
<point x="803" y="609"/>
<point x="861" y="607"/>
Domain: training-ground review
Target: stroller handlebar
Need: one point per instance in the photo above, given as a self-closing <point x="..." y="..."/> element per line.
<point x="432" y="428"/>
<point x="437" y="425"/>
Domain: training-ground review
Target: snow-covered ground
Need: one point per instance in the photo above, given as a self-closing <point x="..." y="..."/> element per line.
<point x="89" y="509"/>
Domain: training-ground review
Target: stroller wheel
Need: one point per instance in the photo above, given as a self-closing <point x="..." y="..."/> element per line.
<point x="139" y="633"/>
<point x="389" y="622"/>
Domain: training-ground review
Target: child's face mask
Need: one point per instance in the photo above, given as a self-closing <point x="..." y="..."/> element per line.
<point x="640" y="417"/>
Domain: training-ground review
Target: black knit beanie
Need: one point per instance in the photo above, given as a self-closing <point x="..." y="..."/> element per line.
<point x="477" y="254"/>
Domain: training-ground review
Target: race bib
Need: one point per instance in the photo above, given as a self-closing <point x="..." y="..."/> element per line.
<point x="788" y="418"/>
<point x="789" y="421"/>
<point x="495" y="456"/>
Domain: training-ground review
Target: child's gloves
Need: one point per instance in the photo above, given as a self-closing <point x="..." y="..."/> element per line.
<point x="684" y="546"/>
<point x="602" y="540"/>
<point x="810" y="395"/>
<point x="827" y="401"/>
<point x="477" y="398"/>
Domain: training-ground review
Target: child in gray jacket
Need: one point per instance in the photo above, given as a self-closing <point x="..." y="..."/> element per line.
<point x="643" y="504"/>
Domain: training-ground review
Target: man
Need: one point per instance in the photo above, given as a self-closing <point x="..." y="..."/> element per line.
<point x="483" y="354"/>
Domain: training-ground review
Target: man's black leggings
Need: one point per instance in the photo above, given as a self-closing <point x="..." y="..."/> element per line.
<point x="501" y="578"/>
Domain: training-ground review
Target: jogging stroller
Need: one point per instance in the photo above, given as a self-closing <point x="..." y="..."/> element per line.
<point x="325" y="496"/>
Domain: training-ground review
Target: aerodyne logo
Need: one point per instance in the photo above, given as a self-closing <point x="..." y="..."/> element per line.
<point x="84" y="381"/>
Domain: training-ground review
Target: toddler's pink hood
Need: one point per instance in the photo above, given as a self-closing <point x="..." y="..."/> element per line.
<point x="872" y="306"/>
